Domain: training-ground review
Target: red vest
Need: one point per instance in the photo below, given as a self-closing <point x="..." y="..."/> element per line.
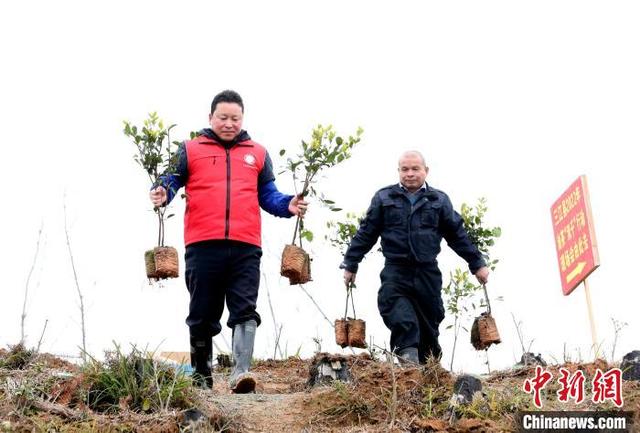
<point x="222" y="191"/>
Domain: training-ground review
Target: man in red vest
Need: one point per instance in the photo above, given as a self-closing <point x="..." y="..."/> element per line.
<point x="227" y="178"/>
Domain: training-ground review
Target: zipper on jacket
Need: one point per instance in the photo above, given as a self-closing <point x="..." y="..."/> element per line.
<point x="226" y="219"/>
<point x="412" y="250"/>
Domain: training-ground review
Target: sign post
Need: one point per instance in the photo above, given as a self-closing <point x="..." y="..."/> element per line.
<point x="594" y="336"/>
<point x="576" y="242"/>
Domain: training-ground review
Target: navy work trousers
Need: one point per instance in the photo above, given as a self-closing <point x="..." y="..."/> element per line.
<point x="219" y="271"/>
<point x="410" y="303"/>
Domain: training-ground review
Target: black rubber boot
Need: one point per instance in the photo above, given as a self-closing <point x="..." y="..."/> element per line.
<point x="409" y="356"/>
<point x="201" y="354"/>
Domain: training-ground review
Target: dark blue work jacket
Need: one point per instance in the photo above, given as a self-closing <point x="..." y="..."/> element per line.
<point x="411" y="233"/>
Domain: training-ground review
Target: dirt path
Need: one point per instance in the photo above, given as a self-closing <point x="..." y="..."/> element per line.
<point x="281" y="403"/>
<point x="263" y="412"/>
<point x="277" y="406"/>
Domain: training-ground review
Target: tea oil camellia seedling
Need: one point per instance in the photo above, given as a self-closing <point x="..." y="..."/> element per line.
<point x="156" y="154"/>
<point x="325" y="150"/>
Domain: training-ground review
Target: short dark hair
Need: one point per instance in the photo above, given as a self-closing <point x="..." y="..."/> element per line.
<point x="230" y="96"/>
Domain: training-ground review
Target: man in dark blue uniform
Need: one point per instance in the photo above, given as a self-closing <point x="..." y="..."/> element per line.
<point x="411" y="218"/>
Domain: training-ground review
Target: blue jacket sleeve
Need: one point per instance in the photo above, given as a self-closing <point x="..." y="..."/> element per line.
<point x="172" y="181"/>
<point x="273" y="201"/>
<point x="458" y="239"/>
<point x="366" y="237"/>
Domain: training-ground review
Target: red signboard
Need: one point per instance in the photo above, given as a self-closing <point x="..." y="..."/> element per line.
<point x="574" y="235"/>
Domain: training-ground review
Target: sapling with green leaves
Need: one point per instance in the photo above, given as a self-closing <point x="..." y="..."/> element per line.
<point x="342" y="234"/>
<point x="157" y="155"/>
<point x="348" y="331"/>
<point x="343" y="231"/>
<point x="324" y="150"/>
<point x="461" y="293"/>
<point x="482" y="237"/>
<point x="456" y="292"/>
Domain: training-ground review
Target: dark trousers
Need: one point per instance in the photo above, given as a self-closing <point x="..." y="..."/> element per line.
<point x="410" y="303"/>
<point x="219" y="271"/>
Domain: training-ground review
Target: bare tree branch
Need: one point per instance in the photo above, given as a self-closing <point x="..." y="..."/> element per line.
<point x="26" y="287"/>
<point x="317" y="306"/>
<point x="277" y="344"/>
<point x="75" y="278"/>
<point x="277" y="332"/>
<point x="42" y="335"/>
<point x="57" y="409"/>
<point x="518" y="326"/>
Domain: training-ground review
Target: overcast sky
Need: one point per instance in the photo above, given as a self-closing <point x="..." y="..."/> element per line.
<point x="511" y="101"/>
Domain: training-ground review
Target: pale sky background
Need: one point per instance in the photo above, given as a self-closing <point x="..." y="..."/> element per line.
<point x="507" y="100"/>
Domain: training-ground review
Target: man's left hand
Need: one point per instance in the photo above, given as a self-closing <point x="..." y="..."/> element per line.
<point x="482" y="275"/>
<point x="297" y="206"/>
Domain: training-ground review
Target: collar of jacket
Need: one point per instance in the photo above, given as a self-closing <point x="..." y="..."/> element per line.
<point x="240" y="139"/>
<point x="429" y="192"/>
<point x="423" y="188"/>
<point x="398" y="189"/>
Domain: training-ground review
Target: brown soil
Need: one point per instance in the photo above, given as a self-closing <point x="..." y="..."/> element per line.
<point x="379" y="398"/>
<point x="166" y="262"/>
<point x="295" y="265"/>
<point x="357" y="333"/>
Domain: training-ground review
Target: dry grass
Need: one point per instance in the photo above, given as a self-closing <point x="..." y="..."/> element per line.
<point x="381" y="397"/>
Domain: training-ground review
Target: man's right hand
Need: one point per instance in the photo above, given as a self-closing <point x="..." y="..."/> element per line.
<point x="482" y="275"/>
<point x="158" y="196"/>
<point x="349" y="278"/>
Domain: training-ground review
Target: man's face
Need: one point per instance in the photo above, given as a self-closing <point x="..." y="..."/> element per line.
<point x="226" y="120"/>
<point x="412" y="172"/>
